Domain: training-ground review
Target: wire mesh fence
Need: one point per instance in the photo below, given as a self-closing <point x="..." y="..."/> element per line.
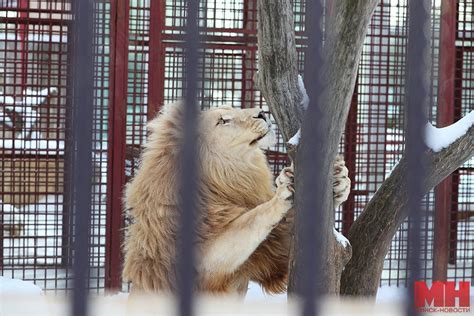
<point x="138" y="66"/>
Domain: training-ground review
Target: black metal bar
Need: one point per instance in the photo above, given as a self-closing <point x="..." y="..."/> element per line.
<point x="311" y="168"/>
<point x="81" y="147"/>
<point x="416" y="109"/>
<point x="189" y="166"/>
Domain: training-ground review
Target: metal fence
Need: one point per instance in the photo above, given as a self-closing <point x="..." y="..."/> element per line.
<point x="139" y="64"/>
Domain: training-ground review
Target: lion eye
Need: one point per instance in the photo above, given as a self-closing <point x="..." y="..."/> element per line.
<point x="224" y="120"/>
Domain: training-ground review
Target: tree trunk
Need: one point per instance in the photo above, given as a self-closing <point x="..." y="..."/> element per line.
<point x="277" y="79"/>
<point x="372" y="232"/>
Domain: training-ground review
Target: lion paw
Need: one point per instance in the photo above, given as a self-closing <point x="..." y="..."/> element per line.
<point x="286" y="176"/>
<point x="285" y="185"/>
<point x="341" y="181"/>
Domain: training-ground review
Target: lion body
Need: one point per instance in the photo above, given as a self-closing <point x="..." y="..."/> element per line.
<point x="242" y="234"/>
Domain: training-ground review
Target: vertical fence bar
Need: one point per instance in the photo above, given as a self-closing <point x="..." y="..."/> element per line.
<point x="446" y="85"/>
<point x="458" y="94"/>
<point x="310" y="166"/>
<point x="188" y="166"/>
<point x="117" y="142"/>
<point x="81" y="145"/>
<point x="156" y="77"/>
<point x="417" y="99"/>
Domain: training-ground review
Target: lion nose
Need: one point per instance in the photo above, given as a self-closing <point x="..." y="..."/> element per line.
<point x="261" y="115"/>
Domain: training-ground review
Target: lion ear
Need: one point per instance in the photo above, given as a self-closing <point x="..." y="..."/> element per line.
<point x="174" y="108"/>
<point x="168" y="123"/>
<point x="170" y="115"/>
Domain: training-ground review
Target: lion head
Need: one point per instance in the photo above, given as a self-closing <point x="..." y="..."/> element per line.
<point x="236" y="130"/>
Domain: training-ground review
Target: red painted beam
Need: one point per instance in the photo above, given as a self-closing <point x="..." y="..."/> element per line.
<point x="156" y="67"/>
<point x="446" y="87"/>
<point x="116" y="148"/>
<point x="23" y="29"/>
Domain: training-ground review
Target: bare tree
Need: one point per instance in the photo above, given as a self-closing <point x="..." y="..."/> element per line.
<point x="371" y="233"/>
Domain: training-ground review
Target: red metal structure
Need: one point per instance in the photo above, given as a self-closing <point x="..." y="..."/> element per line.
<point x="139" y="61"/>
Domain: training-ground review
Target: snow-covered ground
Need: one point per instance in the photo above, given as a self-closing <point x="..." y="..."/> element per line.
<point x="16" y="286"/>
<point x="40" y="241"/>
<point x="255" y="293"/>
<point x="385" y="294"/>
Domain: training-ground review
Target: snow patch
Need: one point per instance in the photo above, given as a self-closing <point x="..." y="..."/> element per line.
<point x="32" y="97"/>
<point x="256" y="294"/>
<point x="438" y="138"/>
<point x="15" y="286"/>
<point x="341" y="239"/>
<point x="391" y="294"/>
<point x="295" y="140"/>
<point x="305" y="100"/>
<point x="6" y="120"/>
<point x="7" y="100"/>
<point x="37" y="147"/>
<point x="27" y="107"/>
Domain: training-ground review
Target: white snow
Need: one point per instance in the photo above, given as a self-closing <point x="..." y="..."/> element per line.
<point x="15" y="286"/>
<point x="5" y="120"/>
<point x="256" y="294"/>
<point x="390" y="294"/>
<point x="7" y="100"/>
<point x="27" y="107"/>
<point x="43" y="37"/>
<point x="438" y="138"/>
<point x="32" y="97"/>
<point x="40" y="239"/>
<point x="37" y="147"/>
<point x="295" y="140"/>
<point x="340" y="238"/>
<point x="305" y="100"/>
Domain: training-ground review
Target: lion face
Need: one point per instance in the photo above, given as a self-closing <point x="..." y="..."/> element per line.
<point x="237" y="129"/>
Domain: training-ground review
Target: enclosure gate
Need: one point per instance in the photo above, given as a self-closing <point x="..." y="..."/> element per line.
<point x="138" y="67"/>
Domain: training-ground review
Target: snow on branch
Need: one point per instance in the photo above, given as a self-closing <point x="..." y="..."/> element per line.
<point x="439" y="138"/>
<point x="295" y="140"/>
<point x="341" y="239"/>
<point x="302" y="88"/>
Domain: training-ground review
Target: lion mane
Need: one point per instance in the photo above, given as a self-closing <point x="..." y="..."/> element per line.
<point x="232" y="184"/>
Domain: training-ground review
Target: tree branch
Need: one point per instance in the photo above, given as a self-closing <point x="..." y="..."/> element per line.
<point x="372" y="232"/>
<point x="278" y="64"/>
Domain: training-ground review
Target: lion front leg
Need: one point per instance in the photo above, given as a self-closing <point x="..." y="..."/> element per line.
<point x="268" y="265"/>
<point x="224" y="254"/>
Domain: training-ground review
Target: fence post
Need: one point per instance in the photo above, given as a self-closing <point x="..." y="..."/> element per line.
<point x="443" y="192"/>
<point x="156" y="66"/>
<point x="189" y="176"/>
<point x="117" y="141"/>
<point x="81" y="146"/>
<point x="312" y="189"/>
<point x="416" y="108"/>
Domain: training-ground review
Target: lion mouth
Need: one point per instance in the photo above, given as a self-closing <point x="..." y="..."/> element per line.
<point x="256" y="140"/>
<point x="265" y="134"/>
